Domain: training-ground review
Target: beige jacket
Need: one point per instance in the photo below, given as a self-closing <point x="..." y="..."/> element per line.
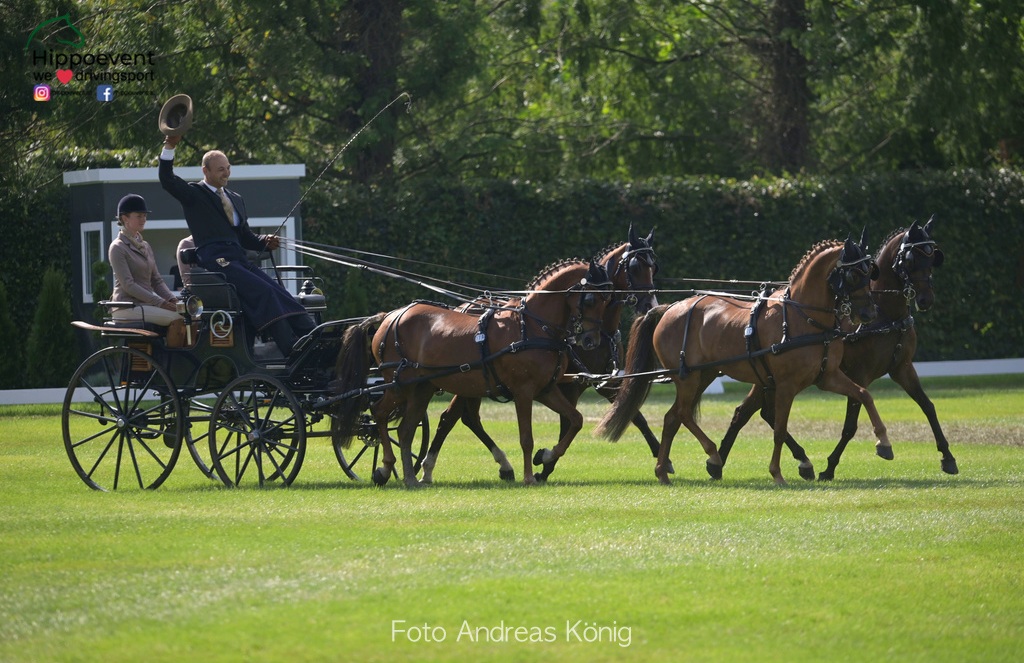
<point x="136" y="277"/>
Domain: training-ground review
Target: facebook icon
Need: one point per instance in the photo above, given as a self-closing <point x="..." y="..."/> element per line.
<point x="105" y="93"/>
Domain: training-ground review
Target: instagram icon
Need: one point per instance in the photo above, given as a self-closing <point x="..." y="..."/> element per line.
<point x="41" y="93"/>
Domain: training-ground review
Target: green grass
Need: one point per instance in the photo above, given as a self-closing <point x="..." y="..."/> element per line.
<point x="892" y="561"/>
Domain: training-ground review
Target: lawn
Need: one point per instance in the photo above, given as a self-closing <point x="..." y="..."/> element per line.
<point x="893" y="561"/>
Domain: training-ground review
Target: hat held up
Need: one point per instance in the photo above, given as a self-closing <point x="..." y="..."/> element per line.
<point x="176" y="115"/>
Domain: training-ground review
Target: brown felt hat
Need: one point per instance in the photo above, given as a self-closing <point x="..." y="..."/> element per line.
<point x="176" y="115"/>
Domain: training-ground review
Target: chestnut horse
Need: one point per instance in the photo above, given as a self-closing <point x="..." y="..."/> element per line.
<point x="515" y="353"/>
<point x="784" y="340"/>
<point x="887" y="345"/>
<point x="632" y="266"/>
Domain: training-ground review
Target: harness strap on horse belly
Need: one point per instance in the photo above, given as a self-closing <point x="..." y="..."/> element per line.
<point x="683" y="369"/>
<point x="750" y="339"/>
<point x="503" y="394"/>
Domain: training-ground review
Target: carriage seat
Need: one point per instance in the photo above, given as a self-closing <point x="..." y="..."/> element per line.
<point x="313" y="302"/>
<point x="111" y="323"/>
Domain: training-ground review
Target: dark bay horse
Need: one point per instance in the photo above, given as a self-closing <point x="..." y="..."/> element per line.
<point x="632" y="266"/>
<point x="783" y="340"/>
<point x="887" y="345"/>
<point x="515" y="353"/>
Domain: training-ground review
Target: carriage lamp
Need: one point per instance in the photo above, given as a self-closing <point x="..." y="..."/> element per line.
<point x="309" y="288"/>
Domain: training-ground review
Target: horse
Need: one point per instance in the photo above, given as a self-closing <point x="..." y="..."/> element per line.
<point x="632" y="266"/>
<point x="785" y="340"/>
<point x="905" y="261"/>
<point x="514" y="353"/>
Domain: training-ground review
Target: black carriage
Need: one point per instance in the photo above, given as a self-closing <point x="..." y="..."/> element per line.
<point x="243" y="412"/>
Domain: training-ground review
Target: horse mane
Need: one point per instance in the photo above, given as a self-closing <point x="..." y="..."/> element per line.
<point x="552" y="268"/>
<point x="881" y="247"/>
<point x="603" y="253"/>
<point x="823" y="245"/>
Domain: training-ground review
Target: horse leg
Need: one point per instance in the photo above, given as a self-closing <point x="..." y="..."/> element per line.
<point x="380" y="411"/>
<point x="837" y="382"/>
<point x="571" y="422"/>
<point x="849" y="430"/>
<point x="806" y="467"/>
<point x="641" y="425"/>
<point x="783" y="404"/>
<point x="415" y="407"/>
<point x="753" y="402"/>
<point x="524" y="414"/>
<point x="471" y="419"/>
<point x="906" y="377"/>
<point x="683" y="412"/>
<point x="445" y="424"/>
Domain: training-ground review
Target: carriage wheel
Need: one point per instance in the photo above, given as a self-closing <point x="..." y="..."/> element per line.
<point x="122" y="421"/>
<point x="257" y="433"/>
<point x="367" y="457"/>
<point x="197" y="410"/>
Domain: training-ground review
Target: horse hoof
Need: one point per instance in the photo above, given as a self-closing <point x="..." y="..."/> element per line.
<point x="826" y="475"/>
<point x="538" y="458"/>
<point x="669" y="468"/>
<point x="884" y="452"/>
<point x="507" y="475"/>
<point x="664" y="480"/>
<point x="380" y="476"/>
<point x="714" y="471"/>
<point x="949" y="466"/>
<point x="806" y="473"/>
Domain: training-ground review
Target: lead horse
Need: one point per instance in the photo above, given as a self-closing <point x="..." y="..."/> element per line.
<point x="887" y="345"/>
<point x="631" y="266"/>
<point x="785" y="339"/>
<point x="516" y="353"/>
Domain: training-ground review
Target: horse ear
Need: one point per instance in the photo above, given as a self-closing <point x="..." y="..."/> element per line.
<point x="863" y="239"/>
<point x="650" y="237"/>
<point x="632" y="235"/>
<point x="928" y="226"/>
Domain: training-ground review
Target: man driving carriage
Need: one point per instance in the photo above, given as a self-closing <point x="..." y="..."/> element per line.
<point x="219" y="223"/>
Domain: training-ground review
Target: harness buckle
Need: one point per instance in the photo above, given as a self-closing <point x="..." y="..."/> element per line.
<point x="465" y="368"/>
<point x="480" y="337"/>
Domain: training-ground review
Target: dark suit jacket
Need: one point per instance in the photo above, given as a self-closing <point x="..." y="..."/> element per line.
<point x="205" y="214"/>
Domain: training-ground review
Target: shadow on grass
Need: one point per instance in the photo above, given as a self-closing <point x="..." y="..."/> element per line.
<point x="726" y="484"/>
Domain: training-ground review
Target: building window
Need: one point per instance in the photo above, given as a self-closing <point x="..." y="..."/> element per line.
<point x="92" y="252"/>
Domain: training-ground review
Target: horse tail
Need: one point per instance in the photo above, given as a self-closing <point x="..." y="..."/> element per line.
<point x="633" y="390"/>
<point x="353" y="366"/>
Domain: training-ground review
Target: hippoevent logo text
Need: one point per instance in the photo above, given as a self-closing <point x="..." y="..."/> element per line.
<point x="57" y="58"/>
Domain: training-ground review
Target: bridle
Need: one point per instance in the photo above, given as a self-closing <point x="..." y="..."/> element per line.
<point x="906" y="260"/>
<point x="850" y="276"/>
<point x="634" y="257"/>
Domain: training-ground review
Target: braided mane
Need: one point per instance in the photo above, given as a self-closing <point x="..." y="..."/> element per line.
<point x="823" y="245"/>
<point x="552" y="268"/>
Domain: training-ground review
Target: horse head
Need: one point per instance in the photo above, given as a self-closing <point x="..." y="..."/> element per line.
<point x="917" y="255"/>
<point x="851" y="278"/>
<point x="635" y="270"/>
<point x="587" y="301"/>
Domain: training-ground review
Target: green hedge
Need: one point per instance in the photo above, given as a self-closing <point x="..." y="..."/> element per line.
<point x="706" y="229"/>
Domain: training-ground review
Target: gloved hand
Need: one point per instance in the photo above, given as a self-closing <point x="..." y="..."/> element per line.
<point x="170" y="305"/>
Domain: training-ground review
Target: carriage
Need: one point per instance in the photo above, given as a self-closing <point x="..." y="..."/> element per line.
<point x="245" y="417"/>
<point x="243" y="412"/>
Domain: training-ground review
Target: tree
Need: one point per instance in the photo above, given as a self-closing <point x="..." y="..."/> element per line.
<point x="12" y="368"/>
<point x="51" y="354"/>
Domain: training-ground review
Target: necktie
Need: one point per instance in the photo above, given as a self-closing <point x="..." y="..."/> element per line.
<point x="229" y="209"/>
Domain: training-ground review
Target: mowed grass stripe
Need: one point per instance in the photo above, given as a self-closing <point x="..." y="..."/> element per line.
<point x="893" y="560"/>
